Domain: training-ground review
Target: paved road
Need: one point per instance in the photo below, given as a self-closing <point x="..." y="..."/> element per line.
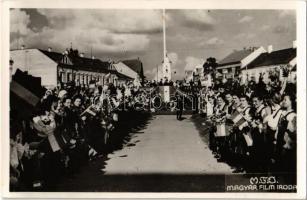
<point x="167" y="146"/>
<point x="166" y="156"/>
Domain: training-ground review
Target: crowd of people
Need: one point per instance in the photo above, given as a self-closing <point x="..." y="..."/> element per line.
<point x="70" y="126"/>
<point x="252" y="125"/>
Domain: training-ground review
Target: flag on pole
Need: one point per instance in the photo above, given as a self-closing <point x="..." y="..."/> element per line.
<point x="89" y="111"/>
<point x="221" y="130"/>
<point x="239" y="120"/>
<point x="53" y="143"/>
<point x="24" y="94"/>
<point x="248" y="139"/>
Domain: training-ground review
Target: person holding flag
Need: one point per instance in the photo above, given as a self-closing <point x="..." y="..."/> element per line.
<point x="240" y="119"/>
<point x="221" y="132"/>
<point x="258" y="131"/>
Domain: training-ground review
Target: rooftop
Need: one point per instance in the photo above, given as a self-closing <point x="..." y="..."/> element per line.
<point x="283" y="56"/>
<point x="135" y="64"/>
<point x="78" y="61"/>
<point x="235" y="57"/>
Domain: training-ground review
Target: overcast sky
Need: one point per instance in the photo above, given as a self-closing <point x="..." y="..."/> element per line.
<point x="192" y="35"/>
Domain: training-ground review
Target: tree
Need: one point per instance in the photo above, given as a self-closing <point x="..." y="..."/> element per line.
<point x="210" y="66"/>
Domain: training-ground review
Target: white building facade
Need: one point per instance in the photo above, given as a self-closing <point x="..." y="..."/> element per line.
<point x="272" y="62"/>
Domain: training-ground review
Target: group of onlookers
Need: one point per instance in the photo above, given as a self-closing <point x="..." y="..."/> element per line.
<point x="252" y="126"/>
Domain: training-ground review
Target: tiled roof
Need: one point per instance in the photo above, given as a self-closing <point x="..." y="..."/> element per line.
<point x="55" y="56"/>
<point x="80" y="62"/>
<point x="135" y="64"/>
<point x="235" y="57"/>
<point x="283" y="56"/>
<point x="90" y="64"/>
<point x="122" y="76"/>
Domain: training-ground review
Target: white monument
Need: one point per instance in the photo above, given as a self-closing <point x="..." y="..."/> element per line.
<point x="166" y="65"/>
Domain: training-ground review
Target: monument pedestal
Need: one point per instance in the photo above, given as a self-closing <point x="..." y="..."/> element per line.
<point x="166" y="92"/>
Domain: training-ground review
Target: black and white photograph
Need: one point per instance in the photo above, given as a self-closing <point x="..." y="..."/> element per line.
<point x="159" y="100"/>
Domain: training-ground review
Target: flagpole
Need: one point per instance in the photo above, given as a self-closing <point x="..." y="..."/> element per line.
<point x="164" y="35"/>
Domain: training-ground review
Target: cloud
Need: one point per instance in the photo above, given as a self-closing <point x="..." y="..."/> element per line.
<point x="104" y="31"/>
<point x="246" y="19"/>
<point x="116" y="21"/>
<point x="150" y="72"/>
<point x="214" y="41"/>
<point x="264" y="27"/>
<point x="173" y="58"/>
<point x="286" y="13"/>
<point x="241" y="36"/>
<point x="198" y="19"/>
<point x="19" y="22"/>
<point x="280" y="29"/>
<point x="191" y="62"/>
<point x="19" y="28"/>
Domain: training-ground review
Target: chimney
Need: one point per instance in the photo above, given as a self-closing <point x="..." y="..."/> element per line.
<point x="270" y="48"/>
<point x="66" y="52"/>
<point x="22" y="47"/>
<point x="294" y="44"/>
<point x="93" y="57"/>
<point x="81" y="55"/>
<point x="11" y="62"/>
<point x="49" y="49"/>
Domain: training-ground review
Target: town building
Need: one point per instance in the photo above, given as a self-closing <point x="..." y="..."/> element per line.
<point x="67" y="67"/>
<point x="124" y="69"/>
<point x="231" y="65"/>
<point x="272" y="62"/>
<point x="137" y="66"/>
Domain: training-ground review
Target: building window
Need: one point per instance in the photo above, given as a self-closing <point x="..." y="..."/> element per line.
<point x="85" y="79"/>
<point x="69" y="77"/>
<point x="62" y="76"/>
<point x="81" y="78"/>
